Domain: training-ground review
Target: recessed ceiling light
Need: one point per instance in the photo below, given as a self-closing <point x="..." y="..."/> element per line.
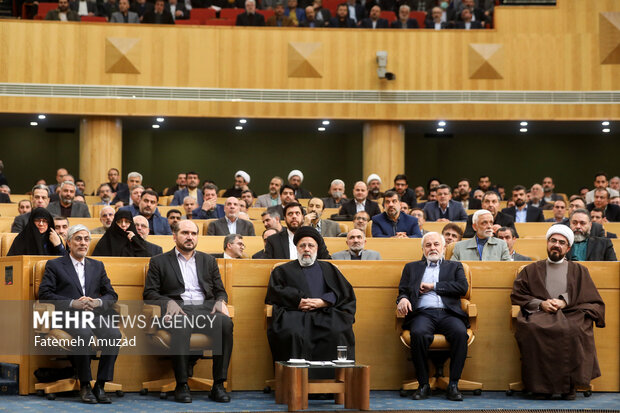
<point x="440" y="129"/>
<point x="321" y="129"/>
<point x="325" y="122"/>
<point x="606" y="123"/>
<point x="606" y="130"/>
<point x="155" y="126"/>
<point x="239" y="127"/>
<point x="41" y="117"/>
<point x="523" y="130"/>
<point x="160" y="120"/>
<point x="34" y="123"/>
<point x="523" y="124"/>
<point x="243" y="121"/>
<point x="441" y="123"/>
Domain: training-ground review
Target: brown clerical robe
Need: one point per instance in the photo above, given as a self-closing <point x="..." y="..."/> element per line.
<point x="557" y="350"/>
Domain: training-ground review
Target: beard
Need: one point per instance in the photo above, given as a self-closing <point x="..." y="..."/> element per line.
<point x="580" y="236"/>
<point x="520" y="202"/>
<point x="356" y="248"/>
<point x="306" y="261"/>
<point x="185" y="247"/>
<point x="67" y="201"/>
<point x="433" y="257"/>
<point x="374" y="192"/>
<point x="555" y="254"/>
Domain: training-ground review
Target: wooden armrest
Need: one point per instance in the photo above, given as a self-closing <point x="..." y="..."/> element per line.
<point x="398" y="315"/>
<point x="151" y="310"/>
<point x="268" y="310"/>
<point x="514" y="311"/>
<point x="43" y="308"/>
<point x="231" y="310"/>
<point x="121" y="309"/>
<point x="472" y="310"/>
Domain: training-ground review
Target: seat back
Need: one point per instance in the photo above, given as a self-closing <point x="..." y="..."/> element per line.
<point x="266" y="13"/>
<point x="220" y="22"/>
<point x="37" y="275"/>
<point x="449" y="250"/>
<point x="93" y="19"/>
<point x="390" y="16"/>
<point x="189" y="22"/>
<point x="44" y="8"/>
<point x="230" y="14"/>
<point x="202" y="15"/>
<point x="420" y="16"/>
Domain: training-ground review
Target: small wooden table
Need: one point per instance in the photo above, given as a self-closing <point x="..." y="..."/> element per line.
<point x="351" y="385"/>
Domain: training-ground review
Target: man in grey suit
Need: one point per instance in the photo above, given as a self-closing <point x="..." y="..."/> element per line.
<point x="273" y="197"/>
<point x="40" y="198"/>
<point x="444" y="209"/>
<point x="356" y="241"/>
<point x="231" y="223"/>
<point x="509" y="235"/>
<point x="65" y="207"/>
<point x="124" y="15"/>
<point x="483" y="246"/>
<point x="313" y="219"/>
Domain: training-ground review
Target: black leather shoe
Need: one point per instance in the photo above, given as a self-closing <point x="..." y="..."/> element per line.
<point x="454" y="394"/>
<point x="100" y="395"/>
<point x="182" y="394"/>
<point x="423" y="392"/>
<point x="86" y="395"/>
<point x="572" y="395"/>
<point x="218" y="394"/>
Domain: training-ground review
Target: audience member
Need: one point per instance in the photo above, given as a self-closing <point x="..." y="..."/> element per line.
<point x="601" y="200"/>
<point x="342" y="20"/>
<point x="437" y="20"/>
<point x="124" y="15"/>
<point x="586" y="246"/>
<point x="209" y="207"/>
<point x="374" y="20"/>
<point x="615" y="200"/>
<point x="233" y="247"/>
<point x="105" y="192"/>
<point x="271" y="220"/>
<point x="260" y="255"/>
<point x="356" y="243"/>
<point x="548" y="187"/>
<point x="230" y="223"/>
<point x="614" y="183"/>
<point x="273" y="196"/>
<point x="444" y="209"/>
<point x="321" y="14"/>
<point x="249" y="17"/>
<point x="601" y="180"/>
<point x="63" y="13"/>
<point x="452" y="233"/>
<point x="404" y="21"/>
<point x="391" y="223"/>
<point x="559" y="211"/>
<point x="361" y="220"/>
<point x="360" y="202"/>
<point x="420" y="215"/>
<point x="61" y="226"/>
<point x="310" y="19"/>
<point x="174" y="216"/>
<point x="537" y="197"/>
<point x="490" y="202"/>
<point x="24" y="206"/>
<point x="336" y="196"/>
<point x="483" y="246"/>
<point x="508" y="234"/>
<point x="189" y="205"/>
<point x="65" y="206"/>
<point x="464" y="190"/>
<point x="123" y="197"/>
<point x="142" y="7"/>
<point x="522" y="212"/>
<point x="313" y="219"/>
<point x="248" y="197"/>
<point x="597" y="217"/>
<point x="108" y="7"/>
<point x="115" y="185"/>
<point x="242" y="180"/>
<point x="122" y="239"/>
<point x="158" y="225"/>
<point x="142" y="226"/>
<point x="279" y="19"/>
<point x="406" y="194"/>
<point x="180" y="183"/>
<point x="374" y="187"/>
<point x="356" y="11"/>
<point x="106" y="217"/>
<point x="177" y="10"/>
<point x="466" y="21"/>
<point x="295" y="178"/>
<point x="38" y="236"/>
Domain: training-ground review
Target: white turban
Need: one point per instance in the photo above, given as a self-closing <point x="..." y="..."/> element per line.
<point x="244" y="175"/>
<point x="373" y="177"/>
<point x="296" y="172"/>
<point x="563" y="230"/>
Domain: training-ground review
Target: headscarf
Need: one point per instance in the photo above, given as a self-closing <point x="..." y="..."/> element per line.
<point x="30" y="241"/>
<point x="115" y="243"/>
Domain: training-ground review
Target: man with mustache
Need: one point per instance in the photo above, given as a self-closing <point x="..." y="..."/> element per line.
<point x="483" y="246"/>
<point x="158" y="225"/>
<point x="392" y="223"/>
<point x="429" y="297"/>
<point x="559" y="303"/>
<point x="374" y="187"/>
<point x="356" y="241"/>
<point x="490" y="202"/>
<point x="522" y="212"/>
<point x="65" y="206"/>
<point x="313" y="305"/>
<point x="588" y="247"/>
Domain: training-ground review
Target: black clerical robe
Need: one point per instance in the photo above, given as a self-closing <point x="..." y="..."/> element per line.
<point x="311" y="335"/>
<point x="557" y="350"/>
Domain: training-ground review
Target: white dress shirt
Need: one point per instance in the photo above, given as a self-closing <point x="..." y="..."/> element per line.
<point x="292" y="249"/>
<point x="360" y="206"/>
<point x="193" y="292"/>
<point x="79" y="269"/>
<point x="232" y="226"/>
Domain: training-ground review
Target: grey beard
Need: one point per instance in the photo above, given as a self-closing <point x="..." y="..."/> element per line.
<point x="580" y="237"/>
<point x="306" y="262"/>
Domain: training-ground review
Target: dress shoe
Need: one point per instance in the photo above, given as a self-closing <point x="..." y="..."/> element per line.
<point x="423" y="392"/>
<point x="454" y="394"/>
<point x="218" y="394"/>
<point x="86" y="395"/>
<point x="571" y="395"/>
<point x="182" y="394"/>
<point x="100" y="395"/>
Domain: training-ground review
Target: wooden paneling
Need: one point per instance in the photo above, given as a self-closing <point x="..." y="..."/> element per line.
<point x="555" y="48"/>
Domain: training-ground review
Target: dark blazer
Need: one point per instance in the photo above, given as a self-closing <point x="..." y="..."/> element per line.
<point x="60" y="283"/>
<point x="220" y="227"/>
<point x="153" y="249"/>
<point x="91" y="7"/>
<point x="20" y="222"/>
<point x="5" y="198"/>
<point x="519" y="257"/>
<point x="381" y="24"/>
<point x="455" y="211"/>
<point x="411" y="24"/>
<point x="500" y="219"/>
<point x="317" y="23"/>
<point x="78" y="209"/>
<point x="532" y="214"/>
<point x="349" y="208"/>
<point x="149" y="17"/>
<point x="180" y="7"/>
<point x="451" y="287"/>
<point x="596" y="229"/>
<point x="122" y="193"/>
<point x="159" y="225"/>
<point x="599" y="249"/>
<point x="141" y="9"/>
<point x="474" y="203"/>
<point x="430" y="24"/>
<point x="164" y="281"/>
<point x="612" y="212"/>
<point x="348" y="23"/>
<point x="180" y="195"/>
<point x="301" y="193"/>
<point x="245" y="19"/>
<point x="200" y="213"/>
<point x="360" y="13"/>
<point x="474" y="25"/>
<point x="277" y="247"/>
<point x="408" y="197"/>
<point x="55" y="15"/>
<point x="383" y="227"/>
<point x="133" y="208"/>
<point x="260" y="255"/>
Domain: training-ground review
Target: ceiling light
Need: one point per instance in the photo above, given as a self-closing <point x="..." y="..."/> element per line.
<point x="440" y="129"/>
<point x="606" y="123"/>
<point x="155" y="126"/>
<point x="43" y="117"/>
<point x="523" y="130"/>
<point x="325" y="122"/>
<point x="160" y="120"/>
<point x="242" y="121"/>
<point x="239" y="127"/>
<point x="606" y="130"/>
<point x="34" y="123"/>
<point x="441" y="123"/>
<point x="321" y="129"/>
<point x="523" y="124"/>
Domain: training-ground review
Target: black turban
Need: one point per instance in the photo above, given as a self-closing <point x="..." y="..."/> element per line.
<point x="303" y="232"/>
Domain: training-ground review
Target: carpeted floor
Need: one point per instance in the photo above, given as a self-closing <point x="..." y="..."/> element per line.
<point x="257" y="401"/>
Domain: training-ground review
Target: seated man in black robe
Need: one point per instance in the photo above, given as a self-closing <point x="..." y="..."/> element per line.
<point x="313" y="305"/>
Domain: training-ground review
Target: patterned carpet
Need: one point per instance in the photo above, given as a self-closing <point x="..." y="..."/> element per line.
<point x="259" y="402"/>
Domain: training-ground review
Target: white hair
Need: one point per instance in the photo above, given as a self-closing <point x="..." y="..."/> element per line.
<point x="337" y="182"/>
<point x="441" y="238"/>
<point x="75" y="229"/>
<point x="65" y="183"/>
<point x="105" y="208"/>
<point x="189" y="197"/>
<point x="134" y="175"/>
<point x="478" y="213"/>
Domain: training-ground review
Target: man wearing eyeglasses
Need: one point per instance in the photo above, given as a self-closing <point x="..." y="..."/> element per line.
<point x="559" y="303"/>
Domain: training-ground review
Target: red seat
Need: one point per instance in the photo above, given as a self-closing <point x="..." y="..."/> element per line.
<point x="220" y="22"/>
<point x="189" y="22"/>
<point x="390" y="16"/>
<point x="420" y="16"/>
<point x="266" y="13"/>
<point x="96" y="19"/>
<point x="230" y="14"/>
<point x="44" y="8"/>
<point x="201" y="15"/>
<point x="332" y="6"/>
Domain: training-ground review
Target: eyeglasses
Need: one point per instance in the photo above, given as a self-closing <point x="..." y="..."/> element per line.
<point x="78" y="238"/>
<point x="561" y="242"/>
<point x="361" y="219"/>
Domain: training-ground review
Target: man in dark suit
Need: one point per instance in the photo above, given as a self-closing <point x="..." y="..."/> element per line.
<point x="597" y="215"/>
<point x="587" y="247"/>
<point x="392" y="223"/>
<point x="65" y="206"/>
<point x="142" y="226"/>
<point x="280" y="245"/>
<point x="260" y="255"/>
<point x="342" y="19"/>
<point x="188" y="282"/>
<point x="356" y="11"/>
<point x="62" y="10"/>
<point x="311" y="20"/>
<point x="40" y="199"/>
<point x="490" y="202"/>
<point x="123" y="191"/>
<point x="177" y="10"/>
<point x="444" y="209"/>
<point x="209" y="208"/>
<point x="158" y="225"/>
<point x="429" y="297"/>
<point x="508" y="235"/>
<point x="601" y="200"/>
<point x="435" y="16"/>
<point x="465" y="197"/>
<point x="404" y="21"/>
<point x="191" y="188"/>
<point x="231" y="224"/>
<point x="521" y="212"/>
<point x="466" y="22"/>
<point x="374" y="20"/>
<point x="250" y="17"/>
<point x="76" y="283"/>
<point x="360" y="202"/>
<point x="141" y="7"/>
<point x="401" y="186"/>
